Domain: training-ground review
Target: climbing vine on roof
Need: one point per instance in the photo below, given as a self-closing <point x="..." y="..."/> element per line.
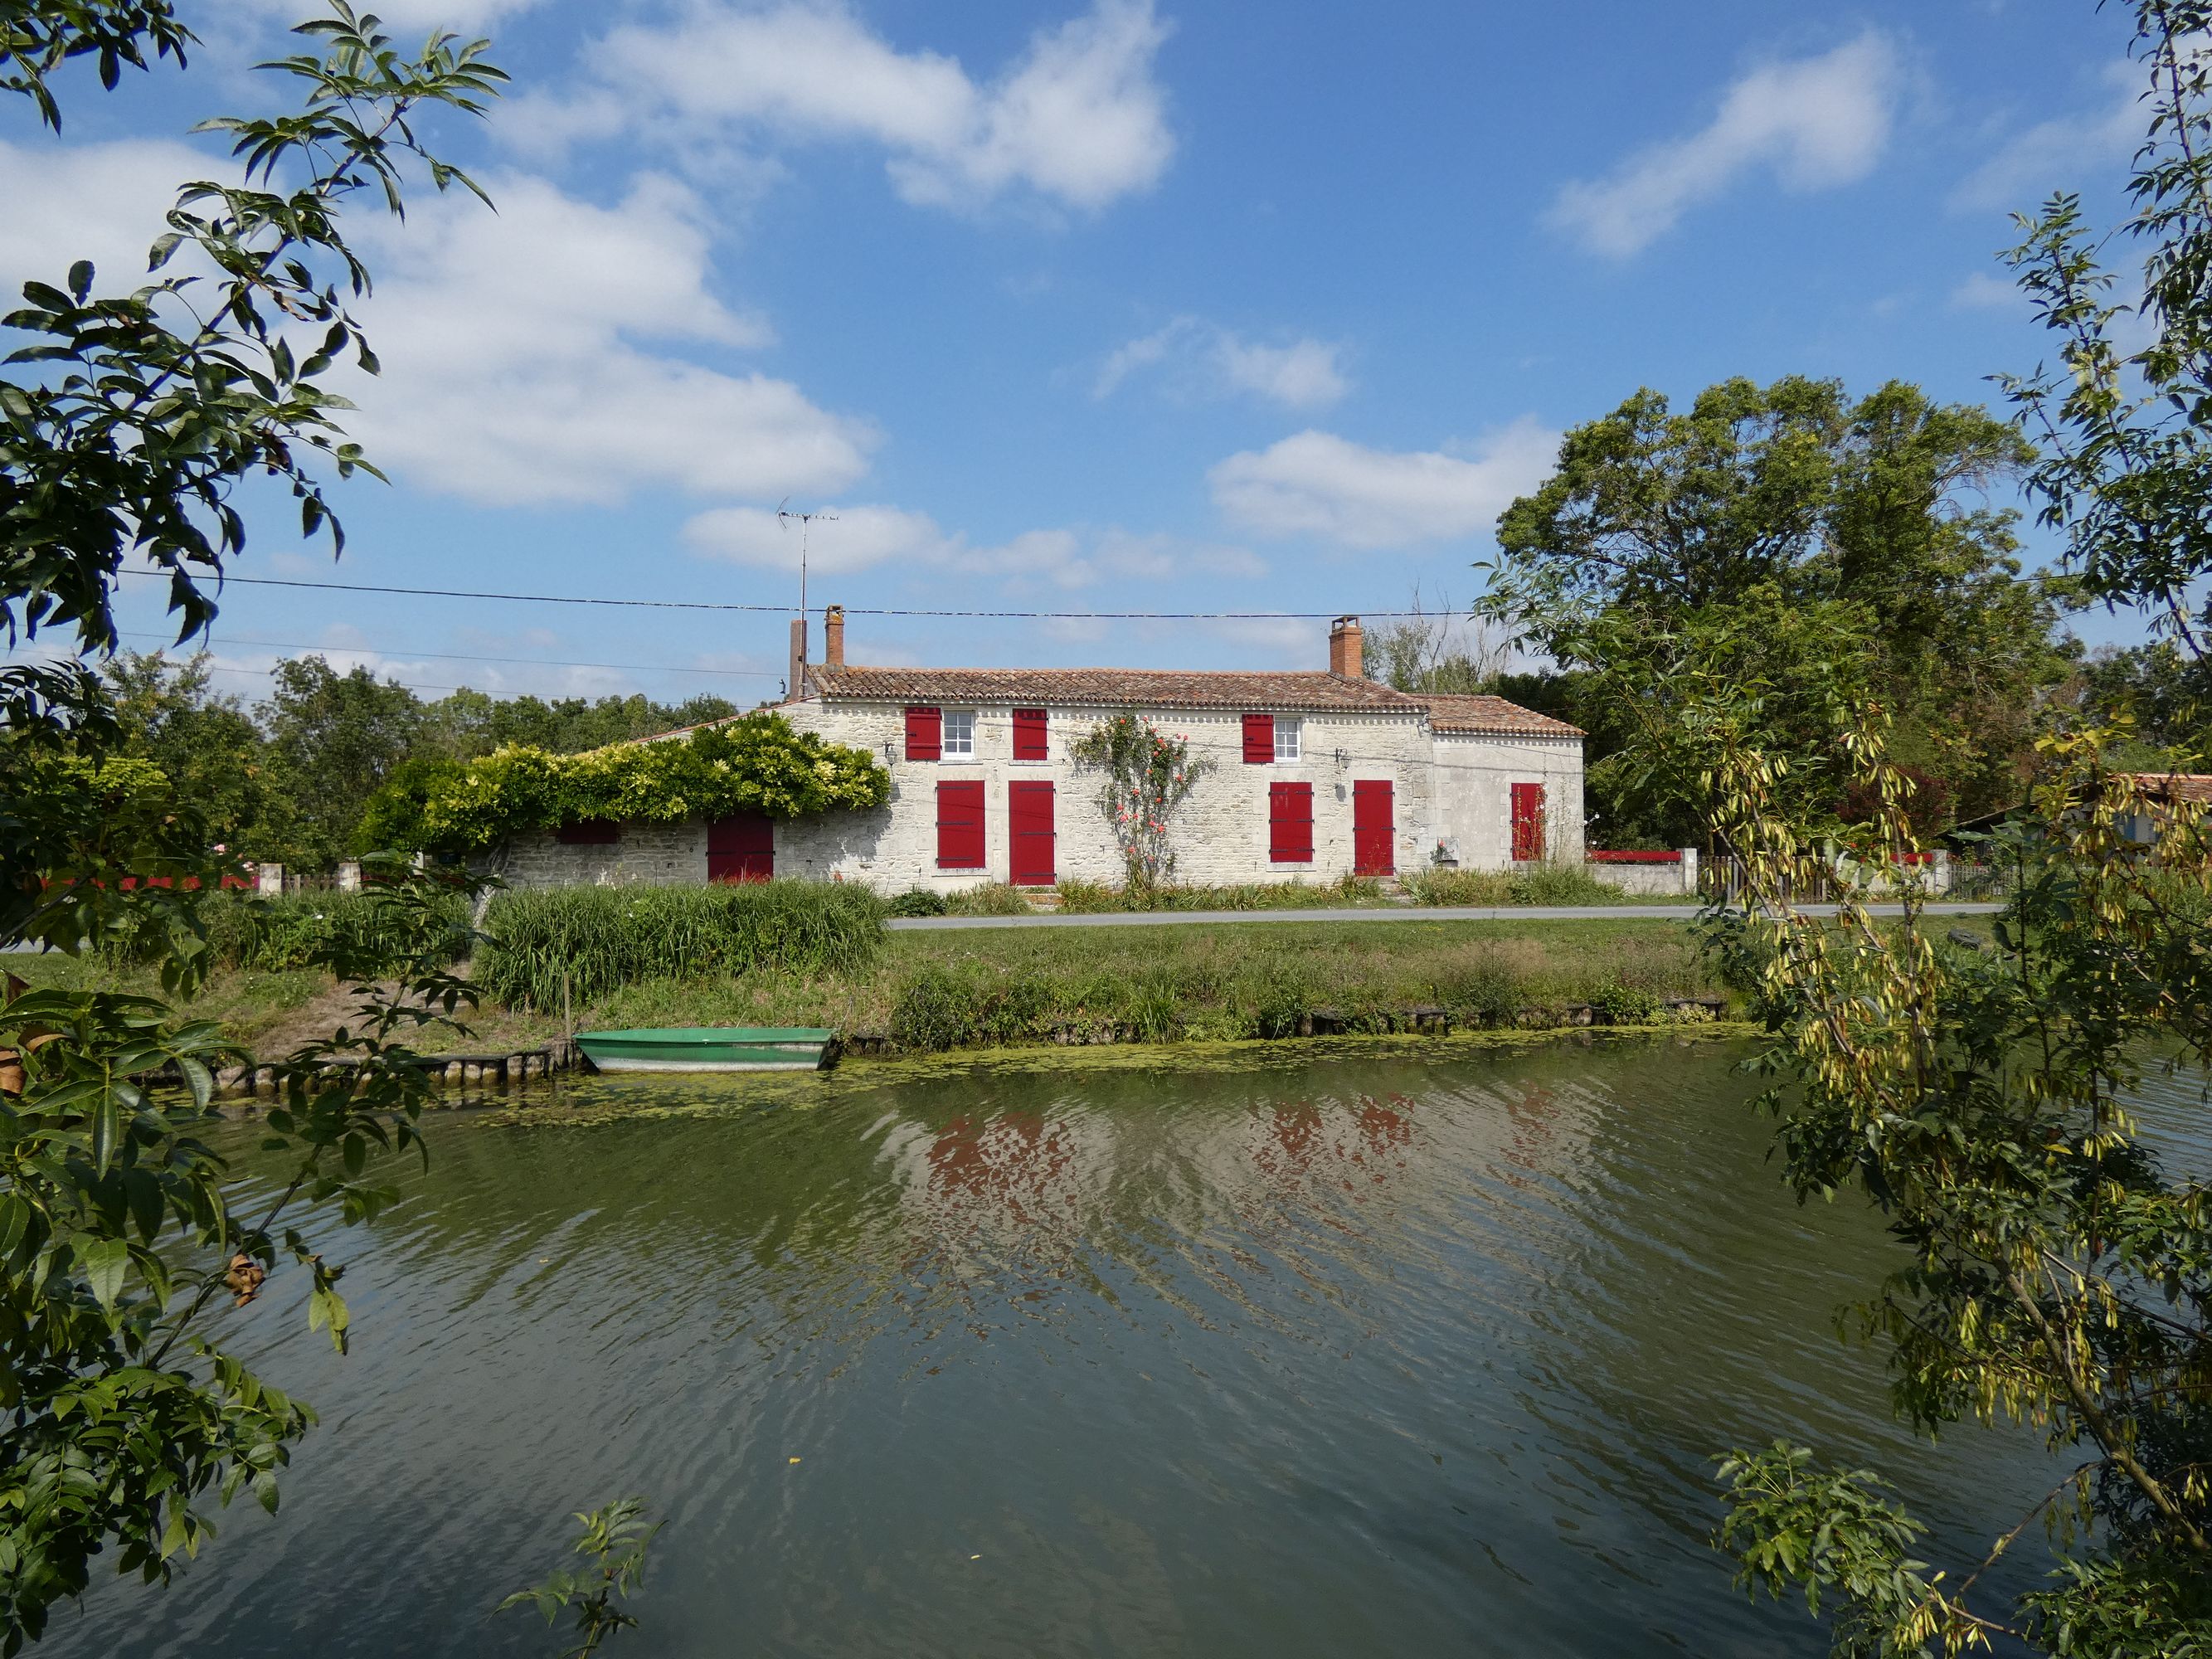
<point x="757" y="764"/>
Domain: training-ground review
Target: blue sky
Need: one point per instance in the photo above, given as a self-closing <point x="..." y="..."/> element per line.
<point x="1089" y="305"/>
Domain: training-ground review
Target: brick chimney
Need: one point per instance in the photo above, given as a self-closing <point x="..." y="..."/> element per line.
<point x="795" y="687"/>
<point x="833" y="637"/>
<point x="1344" y="648"/>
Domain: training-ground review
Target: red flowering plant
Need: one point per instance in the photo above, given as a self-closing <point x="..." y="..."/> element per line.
<point x="1147" y="775"/>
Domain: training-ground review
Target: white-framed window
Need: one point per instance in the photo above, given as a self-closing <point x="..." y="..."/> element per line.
<point x="959" y="743"/>
<point x="1286" y="737"/>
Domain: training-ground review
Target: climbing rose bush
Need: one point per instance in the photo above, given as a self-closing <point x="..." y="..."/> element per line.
<point x="1148" y="775"/>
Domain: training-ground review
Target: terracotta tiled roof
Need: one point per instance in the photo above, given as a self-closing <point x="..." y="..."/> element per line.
<point x="1493" y="714"/>
<point x="1108" y="688"/>
<point x="1148" y="687"/>
<point x="2195" y="786"/>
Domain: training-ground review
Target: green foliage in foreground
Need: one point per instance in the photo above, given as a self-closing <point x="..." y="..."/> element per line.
<point x="616" y="1538"/>
<point x="120" y="1232"/>
<point x="276" y="935"/>
<point x="602" y="939"/>
<point x="757" y="764"/>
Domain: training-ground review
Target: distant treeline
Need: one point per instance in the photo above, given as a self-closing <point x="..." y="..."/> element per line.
<point x="287" y="780"/>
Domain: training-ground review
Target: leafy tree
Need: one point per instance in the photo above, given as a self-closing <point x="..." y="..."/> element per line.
<point x="467" y="724"/>
<point x="127" y="426"/>
<point x="2158" y="692"/>
<point x="1852" y="529"/>
<point x="204" y="741"/>
<point x="2052" y="1269"/>
<point x="333" y="740"/>
<point x="1439" y="651"/>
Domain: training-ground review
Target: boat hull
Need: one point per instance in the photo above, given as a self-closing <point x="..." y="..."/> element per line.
<point x="708" y="1049"/>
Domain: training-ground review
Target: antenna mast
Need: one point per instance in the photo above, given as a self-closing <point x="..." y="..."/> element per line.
<point x="805" y="525"/>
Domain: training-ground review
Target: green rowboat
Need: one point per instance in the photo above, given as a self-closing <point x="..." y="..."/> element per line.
<point x="710" y="1048"/>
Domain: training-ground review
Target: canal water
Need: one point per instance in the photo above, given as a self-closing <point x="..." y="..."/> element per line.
<point x="1334" y="1356"/>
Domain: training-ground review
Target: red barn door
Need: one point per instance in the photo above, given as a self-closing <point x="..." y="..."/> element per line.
<point x="741" y="848"/>
<point x="1528" y="823"/>
<point x="1029" y="812"/>
<point x="1373" y="828"/>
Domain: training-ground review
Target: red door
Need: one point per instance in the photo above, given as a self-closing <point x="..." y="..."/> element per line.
<point x="1528" y="823"/>
<point x="1374" y="830"/>
<point x="1028" y="813"/>
<point x="741" y="848"/>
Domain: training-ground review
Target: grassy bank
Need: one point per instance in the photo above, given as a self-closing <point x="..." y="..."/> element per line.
<point x="1536" y="884"/>
<point x="931" y="991"/>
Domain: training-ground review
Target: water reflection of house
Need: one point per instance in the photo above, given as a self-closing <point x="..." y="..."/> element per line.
<point x="1015" y="1177"/>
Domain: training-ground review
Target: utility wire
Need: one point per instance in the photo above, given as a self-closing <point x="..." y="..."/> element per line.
<point x="785" y="610"/>
<point x="448" y="656"/>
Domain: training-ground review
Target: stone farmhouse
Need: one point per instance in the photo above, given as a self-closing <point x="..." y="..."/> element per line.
<point x="1317" y="776"/>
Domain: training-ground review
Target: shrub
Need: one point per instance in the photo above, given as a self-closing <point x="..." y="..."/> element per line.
<point x="1623" y="1004"/>
<point x="918" y="901"/>
<point x="1279" y="999"/>
<point x="1461" y="887"/>
<point x="1561" y="884"/>
<point x="271" y="935"/>
<point x="992" y="898"/>
<point x="1091" y="896"/>
<point x="936" y="1009"/>
<point x="755" y="763"/>
<point x="605" y="938"/>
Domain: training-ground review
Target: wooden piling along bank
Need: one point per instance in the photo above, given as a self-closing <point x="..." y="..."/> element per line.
<point x="452" y="1071"/>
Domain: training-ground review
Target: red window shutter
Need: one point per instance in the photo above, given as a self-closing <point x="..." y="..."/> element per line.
<point x="1029" y="734"/>
<point x="925" y="733"/>
<point x="960" y="825"/>
<point x="1259" y="739"/>
<point x="1290" y="823"/>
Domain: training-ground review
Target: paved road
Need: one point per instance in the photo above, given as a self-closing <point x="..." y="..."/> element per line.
<point x="1406" y="913"/>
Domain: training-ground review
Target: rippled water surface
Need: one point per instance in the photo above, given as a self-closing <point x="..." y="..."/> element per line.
<point x="1365" y="1356"/>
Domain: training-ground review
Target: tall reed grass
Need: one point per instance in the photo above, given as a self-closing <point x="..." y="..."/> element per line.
<point x="606" y="938"/>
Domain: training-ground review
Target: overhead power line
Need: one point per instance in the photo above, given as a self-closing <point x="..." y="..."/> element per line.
<point x="449" y="656"/>
<point x="785" y="610"/>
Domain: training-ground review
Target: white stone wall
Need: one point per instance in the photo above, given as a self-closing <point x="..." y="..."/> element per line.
<point x="1658" y="880"/>
<point x="1220" y="835"/>
<point x="1473" y="788"/>
<point x="656" y="853"/>
<point x="1444" y="787"/>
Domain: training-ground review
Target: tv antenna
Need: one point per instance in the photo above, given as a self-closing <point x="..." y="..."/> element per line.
<point x="806" y="524"/>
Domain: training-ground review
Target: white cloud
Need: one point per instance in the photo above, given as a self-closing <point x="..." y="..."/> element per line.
<point x="99" y="202"/>
<point x="861" y="537"/>
<point x="1202" y="358"/>
<point x="1077" y="117"/>
<point x="1983" y="292"/>
<point x="405" y="21"/>
<point x="514" y="344"/>
<point x="514" y="367"/>
<point x="1816" y="122"/>
<point x="858" y="538"/>
<point x="1316" y="483"/>
<point x="2058" y="153"/>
